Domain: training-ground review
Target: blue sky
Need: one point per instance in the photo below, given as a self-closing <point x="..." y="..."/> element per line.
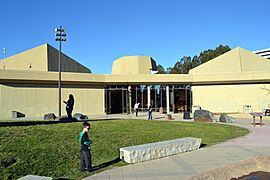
<point x="100" y="31"/>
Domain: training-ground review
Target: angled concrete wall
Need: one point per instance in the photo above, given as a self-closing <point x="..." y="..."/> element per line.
<point x="235" y="61"/>
<point x="67" y="64"/>
<point x="42" y="58"/>
<point x="31" y="60"/>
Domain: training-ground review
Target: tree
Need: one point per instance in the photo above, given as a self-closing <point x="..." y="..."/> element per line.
<point x="160" y="69"/>
<point x="182" y="66"/>
<point x="186" y="63"/>
<point x="168" y="70"/>
<point x="213" y="53"/>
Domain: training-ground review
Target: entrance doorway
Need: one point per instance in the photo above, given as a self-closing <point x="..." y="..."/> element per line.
<point x="182" y="99"/>
<point x="116" y="100"/>
<point x="121" y="99"/>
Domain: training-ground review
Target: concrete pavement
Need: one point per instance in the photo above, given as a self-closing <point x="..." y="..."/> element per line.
<point x="183" y="166"/>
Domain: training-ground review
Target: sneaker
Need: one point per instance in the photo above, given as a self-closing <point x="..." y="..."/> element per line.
<point x="89" y="170"/>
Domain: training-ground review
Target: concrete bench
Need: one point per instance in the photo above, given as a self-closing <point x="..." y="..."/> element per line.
<point x="145" y="152"/>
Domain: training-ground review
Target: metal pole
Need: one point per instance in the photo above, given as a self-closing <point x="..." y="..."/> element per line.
<point x="4" y="56"/>
<point x="59" y="80"/>
<point x="155" y="98"/>
<point x="130" y="99"/>
<point x="142" y="98"/>
<point x="110" y="101"/>
<point x="186" y="104"/>
<point x="168" y="99"/>
<point x="161" y="89"/>
<point x="136" y="95"/>
<point x="190" y="100"/>
<point x="122" y="101"/>
<point x="148" y="96"/>
<point x="106" y="99"/>
<point x="172" y="99"/>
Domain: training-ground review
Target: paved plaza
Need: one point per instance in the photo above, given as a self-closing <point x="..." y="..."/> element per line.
<point x="183" y="166"/>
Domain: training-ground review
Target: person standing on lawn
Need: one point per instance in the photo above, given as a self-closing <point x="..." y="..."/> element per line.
<point x="150" y="109"/>
<point x="69" y="106"/>
<point x="86" y="162"/>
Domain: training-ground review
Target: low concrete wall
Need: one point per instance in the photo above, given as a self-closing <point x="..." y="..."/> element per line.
<point x="236" y="170"/>
<point x="145" y="152"/>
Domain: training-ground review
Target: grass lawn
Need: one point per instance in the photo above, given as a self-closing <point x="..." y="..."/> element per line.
<point x="54" y="150"/>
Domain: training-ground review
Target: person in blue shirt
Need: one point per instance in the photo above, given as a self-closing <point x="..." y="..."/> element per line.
<point x="86" y="162"/>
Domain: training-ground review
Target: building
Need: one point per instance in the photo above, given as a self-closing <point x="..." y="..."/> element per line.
<point x="265" y="53"/>
<point x="234" y="90"/>
<point x="235" y="82"/>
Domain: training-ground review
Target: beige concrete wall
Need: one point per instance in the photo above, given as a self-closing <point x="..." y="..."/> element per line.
<point x="37" y="101"/>
<point x="67" y="64"/>
<point x="232" y="98"/>
<point x="1" y="105"/>
<point x="34" y="60"/>
<point x="133" y="65"/>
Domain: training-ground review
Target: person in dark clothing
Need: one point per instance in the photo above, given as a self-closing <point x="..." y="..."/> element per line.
<point x="150" y="109"/>
<point x="86" y="162"/>
<point x="69" y="105"/>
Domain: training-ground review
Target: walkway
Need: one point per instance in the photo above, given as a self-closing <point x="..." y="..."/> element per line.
<point x="183" y="166"/>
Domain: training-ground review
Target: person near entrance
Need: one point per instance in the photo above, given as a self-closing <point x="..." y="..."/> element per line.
<point x="69" y="105"/>
<point x="150" y="109"/>
<point x="136" y="108"/>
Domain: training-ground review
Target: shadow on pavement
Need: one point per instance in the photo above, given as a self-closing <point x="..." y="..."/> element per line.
<point x="106" y="164"/>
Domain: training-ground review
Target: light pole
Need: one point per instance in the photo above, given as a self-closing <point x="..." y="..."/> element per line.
<point x="59" y="36"/>
<point x="4" y="56"/>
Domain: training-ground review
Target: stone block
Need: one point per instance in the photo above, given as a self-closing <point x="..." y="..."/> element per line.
<point x="168" y="116"/>
<point x="79" y="116"/>
<point x="49" y="117"/>
<point x="203" y="116"/>
<point x="226" y="119"/>
<point x="161" y="110"/>
<point x="16" y="114"/>
<point x="34" y="177"/>
<point x="145" y="152"/>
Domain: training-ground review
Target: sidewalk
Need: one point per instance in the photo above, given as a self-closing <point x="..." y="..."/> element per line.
<point x="183" y="166"/>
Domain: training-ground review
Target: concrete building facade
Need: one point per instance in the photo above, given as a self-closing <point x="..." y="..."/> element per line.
<point x="235" y="82"/>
